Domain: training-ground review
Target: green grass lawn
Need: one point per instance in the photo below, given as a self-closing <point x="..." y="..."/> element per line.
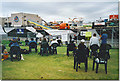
<point x="57" y="67"/>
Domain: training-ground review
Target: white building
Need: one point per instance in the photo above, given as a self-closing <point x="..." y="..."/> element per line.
<point x="20" y="19"/>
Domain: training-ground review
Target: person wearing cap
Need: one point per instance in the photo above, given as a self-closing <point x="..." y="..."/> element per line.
<point x="82" y="43"/>
<point x="104" y="37"/>
<point x="82" y="49"/>
<point x="53" y="41"/>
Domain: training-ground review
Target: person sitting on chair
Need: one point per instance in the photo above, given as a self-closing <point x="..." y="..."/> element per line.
<point x="59" y="41"/>
<point x="14" y="44"/>
<point x="26" y="42"/>
<point x="53" y="45"/>
<point x="71" y="47"/>
<point x="83" y="47"/>
<point x="32" y="44"/>
<point x="11" y="42"/>
<point x="44" y="46"/>
<point x="18" y="39"/>
<point x="83" y="51"/>
<point x="93" y="40"/>
<point x="53" y="41"/>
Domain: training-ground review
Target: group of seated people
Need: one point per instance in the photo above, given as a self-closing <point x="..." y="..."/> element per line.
<point x="81" y="52"/>
<point x="13" y="43"/>
<point x="93" y="41"/>
<point x="48" y="48"/>
<point x="72" y="47"/>
<point x="45" y="47"/>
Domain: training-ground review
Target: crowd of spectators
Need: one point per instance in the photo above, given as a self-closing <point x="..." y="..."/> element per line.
<point x="47" y="45"/>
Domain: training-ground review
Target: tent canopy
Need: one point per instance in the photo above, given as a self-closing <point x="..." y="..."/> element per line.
<point x="1" y="30"/>
<point x="39" y="35"/>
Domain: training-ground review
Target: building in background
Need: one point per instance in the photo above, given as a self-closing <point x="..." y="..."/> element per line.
<point x="20" y="19"/>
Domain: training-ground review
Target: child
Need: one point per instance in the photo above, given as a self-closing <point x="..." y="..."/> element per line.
<point x="5" y="54"/>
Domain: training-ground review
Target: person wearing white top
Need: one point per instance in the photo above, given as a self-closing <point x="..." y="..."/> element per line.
<point x="54" y="41"/>
<point x="94" y="40"/>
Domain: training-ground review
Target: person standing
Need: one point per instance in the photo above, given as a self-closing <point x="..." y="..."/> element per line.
<point x="40" y="40"/>
<point x="36" y="39"/>
<point x="104" y="37"/>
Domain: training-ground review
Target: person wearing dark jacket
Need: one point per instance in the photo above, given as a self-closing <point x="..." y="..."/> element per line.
<point x="71" y="47"/>
<point x="32" y="46"/>
<point x="82" y="50"/>
<point x="26" y="42"/>
<point x="14" y="43"/>
<point x="44" y="46"/>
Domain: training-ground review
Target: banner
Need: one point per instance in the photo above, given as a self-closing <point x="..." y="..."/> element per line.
<point x="20" y="31"/>
<point x="88" y="34"/>
<point x="99" y="23"/>
<point x="113" y="17"/>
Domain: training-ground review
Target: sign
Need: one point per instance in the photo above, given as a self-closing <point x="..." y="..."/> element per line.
<point x="87" y="24"/>
<point x="20" y="31"/>
<point x="113" y="16"/>
<point x="88" y="34"/>
<point x="16" y="19"/>
<point x="99" y="23"/>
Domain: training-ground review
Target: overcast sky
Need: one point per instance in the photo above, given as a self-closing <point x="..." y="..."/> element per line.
<point x="53" y="11"/>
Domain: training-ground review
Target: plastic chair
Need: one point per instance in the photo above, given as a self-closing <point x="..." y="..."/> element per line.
<point x="103" y="56"/>
<point x="15" y="50"/>
<point x="94" y="52"/>
<point x="81" y="56"/>
<point x="33" y="45"/>
<point x="44" y="48"/>
<point x="71" y="47"/>
<point x="54" y="48"/>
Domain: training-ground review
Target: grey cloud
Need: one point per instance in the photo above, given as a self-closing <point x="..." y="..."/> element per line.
<point x="90" y="10"/>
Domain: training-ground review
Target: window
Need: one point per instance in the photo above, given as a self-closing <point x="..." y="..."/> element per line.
<point x="66" y="24"/>
<point x="74" y="24"/>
